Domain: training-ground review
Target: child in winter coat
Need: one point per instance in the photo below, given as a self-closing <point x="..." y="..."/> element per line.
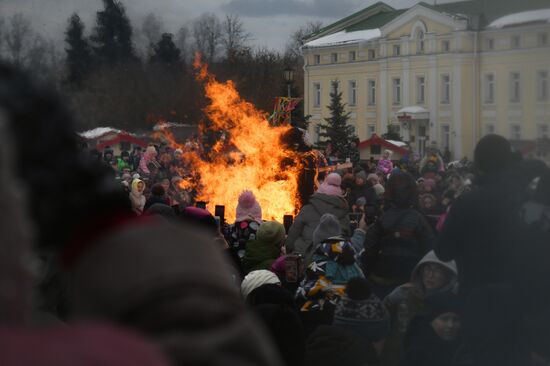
<point x="136" y="196"/>
<point x="333" y="265"/>
<point x="385" y="166"/>
<point x="249" y="218"/>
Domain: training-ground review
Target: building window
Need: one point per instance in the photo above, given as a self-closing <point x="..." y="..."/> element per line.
<point x="334" y="58"/>
<point x="515" y="132"/>
<point x="515" y="42"/>
<point x="542" y="86"/>
<point x="490" y="44"/>
<point x="445" y="46"/>
<point x="489" y="129"/>
<point x="514" y="87"/>
<point x="352" y="92"/>
<point x="371" y="54"/>
<point x="316" y="59"/>
<point x="371" y="130"/>
<point x="420" y="89"/>
<point x="445" y="89"/>
<point x="372" y="92"/>
<point x="489" y="88"/>
<point x="317" y="94"/>
<point x="420" y="42"/>
<point x="543" y="131"/>
<point x="334" y="86"/>
<point x="352" y="55"/>
<point x="445" y="137"/>
<point x="542" y="39"/>
<point x="396" y="91"/>
<point x="396" y="50"/>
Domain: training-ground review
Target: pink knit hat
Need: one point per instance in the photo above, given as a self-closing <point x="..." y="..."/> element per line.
<point x="248" y="207"/>
<point x="331" y="185"/>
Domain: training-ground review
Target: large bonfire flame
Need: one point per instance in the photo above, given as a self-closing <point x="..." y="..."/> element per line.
<point x="248" y="156"/>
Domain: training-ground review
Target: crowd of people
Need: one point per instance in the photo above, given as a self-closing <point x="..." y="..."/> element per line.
<point x="392" y="262"/>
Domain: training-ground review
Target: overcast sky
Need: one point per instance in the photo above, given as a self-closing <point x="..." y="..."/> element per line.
<point x="269" y="21"/>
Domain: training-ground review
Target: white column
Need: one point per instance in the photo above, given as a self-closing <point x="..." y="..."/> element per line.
<point x="457" y="107"/>
<point x="383" y="97"/>
<point x="405" y="82"/>
<point x="433" y="101"/>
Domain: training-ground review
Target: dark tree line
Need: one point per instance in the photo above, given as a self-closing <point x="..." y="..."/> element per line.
<point x="128" y="77"/>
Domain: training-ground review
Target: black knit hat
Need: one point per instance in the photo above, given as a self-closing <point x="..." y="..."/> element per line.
<point x="441" y="303"/>
<point x="401" y="190"/>
<point x="493" y="153"/>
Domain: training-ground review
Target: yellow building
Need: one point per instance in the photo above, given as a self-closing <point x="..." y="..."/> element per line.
<point x="440" y="75"/>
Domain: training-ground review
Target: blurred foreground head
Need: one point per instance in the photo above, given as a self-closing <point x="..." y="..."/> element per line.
<point x="66" y="189"/>
<point x="493" y="153"/>
<point x="172" y="283"/>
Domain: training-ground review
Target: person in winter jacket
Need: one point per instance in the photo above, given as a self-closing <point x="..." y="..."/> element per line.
<point x="333" y="265"/>
<point x="124" y="161"/>
<point x="149" y="157"/>
<point x="430" y="276"/>
<point x="434" y="337"/>
<point x="158" y="195"/>
<point x="247" y="223"/>
<point x="398" y="239"/>
<point x="363" y="313"/>
<point x="327" y="199"/>
<point x="493" y="249"/>
<point x="363" y="189"/>
<point x="136" y="196"/>
<point x="108" y="156"/>
<point x="266" y="248"/>
<point x="385" y="165"/>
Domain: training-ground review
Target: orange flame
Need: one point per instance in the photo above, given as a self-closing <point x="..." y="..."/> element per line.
<point x="248" y="156"/>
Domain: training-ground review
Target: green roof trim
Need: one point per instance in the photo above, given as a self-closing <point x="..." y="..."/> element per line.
<point x="376" y="21"/>
<point x="479" y="12"/>
<point x="350" y="17"/>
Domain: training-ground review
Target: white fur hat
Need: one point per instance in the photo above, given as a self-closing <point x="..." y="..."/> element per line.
<point x="255" y="279"/>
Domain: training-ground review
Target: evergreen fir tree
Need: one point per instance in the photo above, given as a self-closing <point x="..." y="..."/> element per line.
<point x="112" y="35"/>
<point x="79" y="56"/>
<point x="336" y="130"/>
<point x="165" y="51"/>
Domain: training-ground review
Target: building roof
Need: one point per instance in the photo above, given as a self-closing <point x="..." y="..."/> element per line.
<point x="480" y="14"/>
<point x="98" y="132"/>
<point x="392" y="145"/>
<point x="531" y="16"/>
<point x="344" y="37"/>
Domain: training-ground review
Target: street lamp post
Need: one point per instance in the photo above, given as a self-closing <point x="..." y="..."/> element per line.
<point x="288" y="76"/>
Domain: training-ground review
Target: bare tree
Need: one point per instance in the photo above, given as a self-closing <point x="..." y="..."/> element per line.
<point x="235" y="37"/>
<point x="151" y="31"/>
<point x="182" y="41"/>
<point x="42" y="59"/>
<point x="1" y="34"/>
<point x="207" y="32"/>
<point x="297" y="38"/>
<point x="17" y="36"/>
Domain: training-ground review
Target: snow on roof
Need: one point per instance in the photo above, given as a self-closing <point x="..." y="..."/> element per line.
<point x="98" y="132"/>
<point x="413" y="109"/>
<point x="344" y="37"/>
<point x="397" y="143"/>
<point x="163" y="125"/>
<point x="541" y="15"/>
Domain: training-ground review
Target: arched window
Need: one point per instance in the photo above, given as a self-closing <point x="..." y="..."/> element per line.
<point x="420" y="42"/>
<point x="418" y="34"/>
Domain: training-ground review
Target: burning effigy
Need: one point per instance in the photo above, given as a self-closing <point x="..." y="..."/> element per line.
<point x="248" y="154"/>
